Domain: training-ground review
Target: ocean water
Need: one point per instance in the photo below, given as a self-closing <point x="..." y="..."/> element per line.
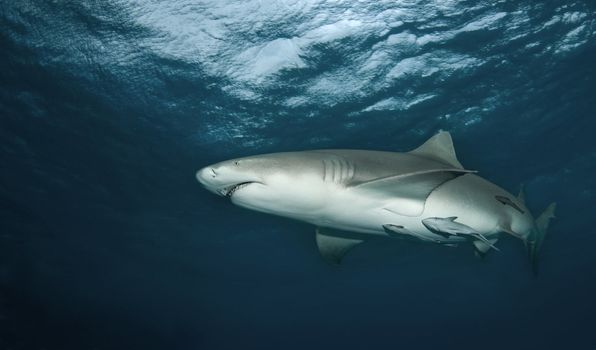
<point x="107" y="109"/>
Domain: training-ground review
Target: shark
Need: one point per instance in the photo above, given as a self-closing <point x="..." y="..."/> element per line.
<point x="351" y="196"/>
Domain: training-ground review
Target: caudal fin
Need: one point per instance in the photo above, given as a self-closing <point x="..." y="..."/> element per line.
<point x="535" y="241"/>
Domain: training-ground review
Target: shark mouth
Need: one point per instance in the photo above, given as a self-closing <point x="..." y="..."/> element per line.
<point x="229" y="191"/>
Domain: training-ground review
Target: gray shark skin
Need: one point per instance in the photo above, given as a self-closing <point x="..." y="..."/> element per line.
<point x="371" y="193"/>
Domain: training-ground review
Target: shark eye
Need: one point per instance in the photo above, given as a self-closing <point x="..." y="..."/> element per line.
<point x="236" y="163"/>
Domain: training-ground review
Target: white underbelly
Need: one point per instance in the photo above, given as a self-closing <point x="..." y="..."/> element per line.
<point x="355" y="213"/>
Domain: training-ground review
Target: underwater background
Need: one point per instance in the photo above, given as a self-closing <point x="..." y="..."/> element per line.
<point x="108" y="108"/>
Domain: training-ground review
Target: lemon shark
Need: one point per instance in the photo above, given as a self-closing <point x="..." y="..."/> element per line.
<point x="352" y="195"/>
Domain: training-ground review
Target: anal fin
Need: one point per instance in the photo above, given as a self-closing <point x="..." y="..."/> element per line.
<point x="507" y="229"/>
<point x="485" y="241"/>
<point x="333" y="247"/>
<point x="481" y="247"/>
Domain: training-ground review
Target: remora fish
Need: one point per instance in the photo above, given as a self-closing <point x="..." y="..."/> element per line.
<point x="449" y="227"/>
<point x="364" y="191"/>
<point x="400" y="231"/>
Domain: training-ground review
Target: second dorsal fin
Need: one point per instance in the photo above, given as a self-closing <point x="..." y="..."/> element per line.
<point x="439" y="147"/>
<point x="521" y="197"/>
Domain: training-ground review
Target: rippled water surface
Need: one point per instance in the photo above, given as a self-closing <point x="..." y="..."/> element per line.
<point x="107" y="109"/>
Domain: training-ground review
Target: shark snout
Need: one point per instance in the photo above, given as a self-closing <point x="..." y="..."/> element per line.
<point x="214" y="180"/>
<point x="207" y="176"/>
<point x="223" y="180"/>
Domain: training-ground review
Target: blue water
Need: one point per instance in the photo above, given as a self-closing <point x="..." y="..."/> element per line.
<point x="109" y="107"/>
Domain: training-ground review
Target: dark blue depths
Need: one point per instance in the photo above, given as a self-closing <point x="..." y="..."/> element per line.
<point x="108" y="108"/>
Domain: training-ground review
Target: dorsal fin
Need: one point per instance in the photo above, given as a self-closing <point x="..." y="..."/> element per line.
<point x="521" y="197"/>
<point x="439" y="147"/>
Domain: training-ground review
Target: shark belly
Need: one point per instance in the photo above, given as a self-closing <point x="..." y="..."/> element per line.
<point x="353" y="212"/>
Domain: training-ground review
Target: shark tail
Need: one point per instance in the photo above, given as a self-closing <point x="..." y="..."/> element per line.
<point x="535" y="240"/>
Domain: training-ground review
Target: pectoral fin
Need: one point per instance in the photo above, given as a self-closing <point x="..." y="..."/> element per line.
<point x="333" y="248"/>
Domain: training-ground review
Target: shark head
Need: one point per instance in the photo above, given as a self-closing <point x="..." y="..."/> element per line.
<point x="284" y="184"/>
<point x="227" y="177"/>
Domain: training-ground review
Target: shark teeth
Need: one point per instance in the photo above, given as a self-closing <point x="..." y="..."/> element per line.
<point x="229" y="191"/>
